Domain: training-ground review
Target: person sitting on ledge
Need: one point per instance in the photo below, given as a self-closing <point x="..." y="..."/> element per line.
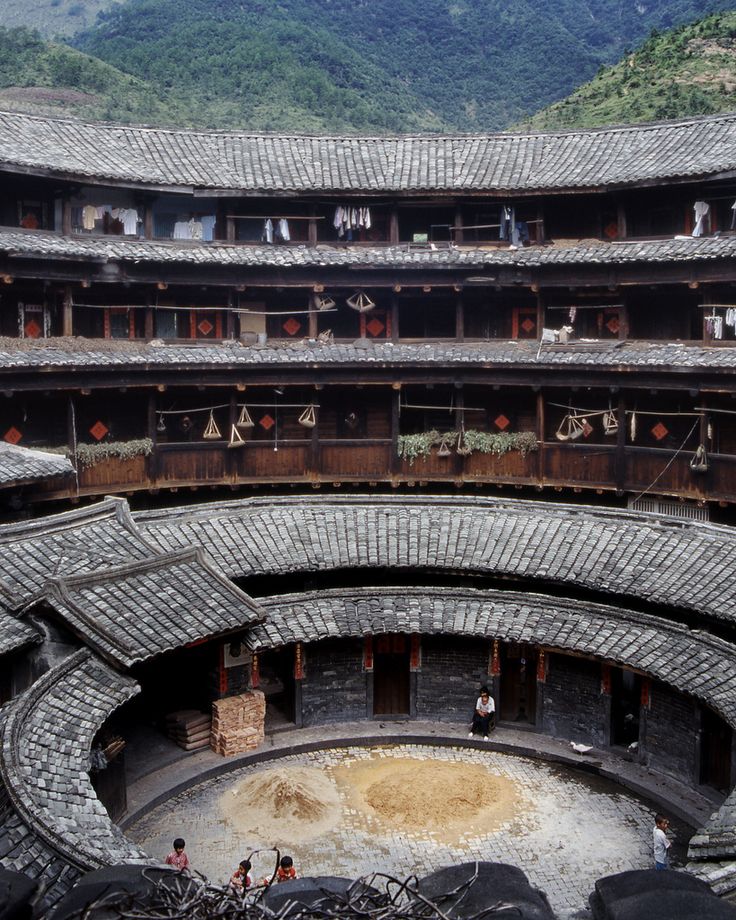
<point x="484" y="715"/>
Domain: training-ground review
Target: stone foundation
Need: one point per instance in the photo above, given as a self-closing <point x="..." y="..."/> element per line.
<point x="238" y="723"/>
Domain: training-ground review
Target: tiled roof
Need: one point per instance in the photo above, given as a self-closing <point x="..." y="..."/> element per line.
<point x="694" y="663"/>
<point x="45" y="743"/>
<point x="113" y="354"/>
<point x="291" y="163"/>
<point x="139" y="610"/>
<point x="15" y="633"/>
<point x="679" y="564"/>
<point x="24" y="244"/>
<point x="19" y="464"/>
<point x="83" y="540"/>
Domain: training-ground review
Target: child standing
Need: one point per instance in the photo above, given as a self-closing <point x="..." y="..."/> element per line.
<point x="177" y="857"/>
<point x="241" y="879"/>
<point x="661" y="843"/>
<point x="286" y="869"/>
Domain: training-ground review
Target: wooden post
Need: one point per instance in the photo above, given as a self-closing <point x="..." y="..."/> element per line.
<point x="148" y="321"/>
<point x="395" y="318"/>
<point x="621" y="228"/>
<point x="459" y="319"/>
<point x="458" y="460"/>
<point x="66" y="217"/>
<point x="153" y="435"/>
<point x="315" y="461"/>
<point x="620" y="463"/>
<point x="312" y="228"/>
<point x="230" y="328"/>
<point x="540" y="315"/>
<point x="312" y="320"/>
<point x="623" y="319"/>
<point x="395" y="463"/>
<point x="459" y="235"/>
<point x="540" y="225"/>
<point x="148" y="220"/>
<point x="67" y="323"/>
<point x="540" y="437"/>
<point x="393" y="225"/>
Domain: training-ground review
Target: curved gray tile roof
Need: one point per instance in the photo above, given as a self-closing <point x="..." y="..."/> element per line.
<point x="679" y="564"/>
<point x="45" y="743"/>
<point x="84" y="540"/>
<point x="24" y="244"/>
<point x="133" y="612"/>
<point x="698" y="664"/>
<point x="92" y="354"/>
<point x="20" y="464"/>
<point x="291" y="163"/>
<point x="15" y="634"/>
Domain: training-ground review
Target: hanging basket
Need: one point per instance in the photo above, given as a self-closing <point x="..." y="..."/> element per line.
<point x="610" y="422"/>
<point x="211" y="432"/>
<point x="361" y="302"/>
<point x="235" y="438"/>
<point x="463" y="448"/>
<point x="161" y="426"/>
<point x="699" y="462"/>
<point x="244" y="419"/>
<point x="323" y="302"/>
<point x="308" y="418"/>
<point x="571" y="428"/>
<point x="444" y="449"/>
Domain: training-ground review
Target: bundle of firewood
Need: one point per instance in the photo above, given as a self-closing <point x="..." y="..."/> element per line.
<point x="237" y="723"/>
<point x="189" y="728"/>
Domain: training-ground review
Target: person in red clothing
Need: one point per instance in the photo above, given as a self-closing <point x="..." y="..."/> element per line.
<point x="241" y="879"/>
<point x="178" y="858"/>
<point x="286" y="869"/>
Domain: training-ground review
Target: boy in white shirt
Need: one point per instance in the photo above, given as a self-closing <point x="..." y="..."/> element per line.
<point x="661" y="843"/>
<point x="485" y="709"/>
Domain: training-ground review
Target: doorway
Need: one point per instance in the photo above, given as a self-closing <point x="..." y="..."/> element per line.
<point x="276" y="681"/>
<point x="715" y="751"/>
<point x="625" y="706"/>
<point x="518" y="683"/>
<point x="391" y="683"/>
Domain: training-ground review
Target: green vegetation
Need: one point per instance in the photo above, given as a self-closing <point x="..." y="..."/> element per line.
<point x="52" y="17"/>
<point x="43" y="77"/>
<point x="690" y="70"/>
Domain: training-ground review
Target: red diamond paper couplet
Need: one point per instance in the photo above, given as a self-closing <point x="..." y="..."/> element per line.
<point x="502" y="423"/>
<point x="375" y="327"/>
<point x="659" y="431"/>
<point x="267" y="422"/>
<point x="12" y="436"/>
<point x="613" y="325"/>
<point x="528" y="325"/>
<point x="205" y="327"/>
<point x="292" y="326"/>
<point x="32" y="329"/>
<point x="98" y="431"/>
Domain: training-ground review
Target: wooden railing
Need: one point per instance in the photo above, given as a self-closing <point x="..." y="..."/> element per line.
<point x="592" y="466"/>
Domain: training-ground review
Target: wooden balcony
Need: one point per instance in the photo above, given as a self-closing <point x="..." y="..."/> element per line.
<point x="587" y="466"/>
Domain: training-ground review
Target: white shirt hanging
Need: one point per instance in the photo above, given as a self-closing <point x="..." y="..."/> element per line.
<point x="701" y="209"/>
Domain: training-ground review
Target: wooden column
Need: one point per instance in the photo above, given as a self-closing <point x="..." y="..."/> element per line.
<point x="620" y="464"/>
<point x="312" y="228"/>
<point x="153" y="435"/>
<point x="540" y="225"/>
<point x="312" y="322"/>
<point x="230" y="327"/>
<point x="540" y="437"/>
<point x="395" y="429"/>
<point x="459" y="318"/>
<point x="458" y="235"/>
<point x="148" y="321"/>
<point x="66" y="217"/>
<point x="393" y="225"/>
<point x="395" y="331"/>
<point x="621" y="228"/>
<point x="315" y="460"/>
<point x="623" y="319"/>
<point x="148" y="220"/>
<point x="540" y="314"/>
<point x="458" y="460"/>
<point x="67" y="320"/>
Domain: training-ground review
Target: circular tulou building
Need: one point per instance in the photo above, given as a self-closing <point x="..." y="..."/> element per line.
<point x="305" y="439"/>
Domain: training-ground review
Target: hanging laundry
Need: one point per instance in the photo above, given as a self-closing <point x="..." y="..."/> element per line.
<point x="508" y="223"/>
<point x="103" y="209"/>
<point x="89" y="216"/>
<point x="347" y="219"/>
<point x="129" y="217"/>
<point x="520" y="236"/>
<point x="267" y="235"/>
<point x="208" y="227"/>
<point x="714" y="326"/>
<point x="195" y="229"/>
<point x="733" y="216"/>
<point x="731" y="317"/>
<point x="701" y="209"/>
<point x="572" y="314"/>
<point x="282" y="231"/>
<point x="182" y="230"/>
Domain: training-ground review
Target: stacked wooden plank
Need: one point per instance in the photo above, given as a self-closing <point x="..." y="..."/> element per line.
<point x="237" y="723"/>
<point x="189" y="728"/>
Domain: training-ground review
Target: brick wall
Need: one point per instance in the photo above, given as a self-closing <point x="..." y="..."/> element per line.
<point x="452" y="672"/>
<point x="671" y="731"/>
<point x="574" y="707"/>
<point x="334" y="685"/>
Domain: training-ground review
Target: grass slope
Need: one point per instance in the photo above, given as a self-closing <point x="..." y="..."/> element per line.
<point x="46" y="78"/>
<point x="690" y="70"/>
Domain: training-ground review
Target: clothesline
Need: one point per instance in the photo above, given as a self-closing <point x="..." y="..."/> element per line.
<point x="593" y="412"/>
<point x="270" y="217"/>
<point x="586" y="306"/>
<point x="282" y="312"/>
<point x="270" y="405"/>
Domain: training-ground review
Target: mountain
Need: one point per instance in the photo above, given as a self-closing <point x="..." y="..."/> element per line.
<point x="52" y="18"/>
<point x="42" y="77"/>
<point x="373" y="65"/>
<point x="690" y="70"/>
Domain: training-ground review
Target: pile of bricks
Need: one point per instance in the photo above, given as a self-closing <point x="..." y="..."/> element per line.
<point x="237" y="723"/>
<point x="189" y="728"/>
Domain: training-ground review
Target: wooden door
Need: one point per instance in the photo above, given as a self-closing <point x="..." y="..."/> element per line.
<point x="715" y="752"/>
<point x="518" y="683"/>
<point x="391" y="676"/>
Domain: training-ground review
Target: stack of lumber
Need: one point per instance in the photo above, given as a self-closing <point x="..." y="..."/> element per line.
<point x="189" y="728"/>
<point x="237" y="723"/>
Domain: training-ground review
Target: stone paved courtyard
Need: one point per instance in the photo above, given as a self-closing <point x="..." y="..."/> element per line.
<point x="564" y="828"/>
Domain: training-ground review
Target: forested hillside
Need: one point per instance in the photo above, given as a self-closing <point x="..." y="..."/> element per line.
<point x="690" y="70"/>
<point x="326" y="65"/>
<point x="42" y="77"/>
<point x="51" y="18"/>
<point x="383" y="65"/>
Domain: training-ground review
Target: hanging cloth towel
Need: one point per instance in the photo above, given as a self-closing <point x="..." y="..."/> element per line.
<point x="129" y="217"/>
<point x="733" y="216"/>
<point x="267" y="235"/>
<point x="195" y="229"/>
<point x="731" y="317"/>
<point x="89" y="216"/>
<point x="701" y="209"/>
<point x="284" y="230"/>
<point x="182" y="230"/>
<point x="208" y="227"/>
